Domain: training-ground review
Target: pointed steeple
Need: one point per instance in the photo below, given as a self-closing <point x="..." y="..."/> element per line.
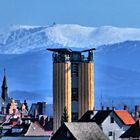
<point x="4" y="88"/>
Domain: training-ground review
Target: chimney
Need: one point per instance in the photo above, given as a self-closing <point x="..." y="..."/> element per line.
<point x="107" y="108"/>
<point x="113" y="107"/>
<point x="125" y="107"/>
<point x="137" y="109"/>
<point x="35" y="113"/>
<point x="102" y="107"/>
<point x="136" y="113"/>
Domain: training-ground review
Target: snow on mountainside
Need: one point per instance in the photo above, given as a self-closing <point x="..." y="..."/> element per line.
<point x="22" y="39"/>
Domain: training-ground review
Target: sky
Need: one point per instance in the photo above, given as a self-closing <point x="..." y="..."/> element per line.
<point x="121" y="13"/>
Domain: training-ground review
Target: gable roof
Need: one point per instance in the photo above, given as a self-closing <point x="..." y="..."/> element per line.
<point x="35" y="129"/>
<point x="133" y="131"/>
<point x="80" y="131"/>
<point x="87" y="116"/>
<point x="101" y="116"/>
<point x="24" y="127"/>
<point x="86" y="131"/>
<point x="27" y="129"/>
<point x="125" y="117"/>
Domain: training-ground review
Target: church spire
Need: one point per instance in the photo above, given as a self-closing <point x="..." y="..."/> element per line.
<point x="4" y="88"/>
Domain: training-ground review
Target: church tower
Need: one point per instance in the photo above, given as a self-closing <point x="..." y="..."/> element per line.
<point x="4" y="87"/>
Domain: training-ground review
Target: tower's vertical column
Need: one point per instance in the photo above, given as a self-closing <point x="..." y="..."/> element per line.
<point x="55" y="92"/>
<point x="61" y="92"/>
<point x="90" y="86"/>
<point x="68" y="93"/>
<point x="80" y="102"/>
<point x="86" y="87"/>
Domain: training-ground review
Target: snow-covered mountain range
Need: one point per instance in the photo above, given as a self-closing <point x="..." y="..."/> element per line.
<point x="29" y="66"/>
<point x="22" y="39"/>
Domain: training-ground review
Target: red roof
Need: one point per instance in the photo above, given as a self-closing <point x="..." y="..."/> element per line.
<point x="125" y="117"/>
<point x="14" y="123"/>
<point x="35" y="129"/>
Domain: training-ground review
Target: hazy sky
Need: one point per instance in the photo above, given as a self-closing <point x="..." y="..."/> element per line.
<point x="84" y="12"/>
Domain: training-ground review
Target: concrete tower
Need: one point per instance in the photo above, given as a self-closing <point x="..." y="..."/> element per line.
<point x="73" y="84"/>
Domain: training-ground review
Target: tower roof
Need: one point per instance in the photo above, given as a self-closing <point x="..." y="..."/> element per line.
<point x="60" y="50"/>
<point x="68" y="50"/>
<point x="4" y="87"/>
<point x="4" y="83"/>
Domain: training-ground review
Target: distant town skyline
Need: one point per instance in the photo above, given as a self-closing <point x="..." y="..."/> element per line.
<point x="88" y="13"/>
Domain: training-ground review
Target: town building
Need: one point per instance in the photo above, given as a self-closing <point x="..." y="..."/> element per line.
<point x="136" y="112"/>
<point x="24" y="128"/>
<point x="113" y="122"/>
<point x="8" y="105"/>
<point x="79" y="131"/>
<point x="133" y="133"/>
<point x="73" y="83"/>
<point x="38" y="108"/>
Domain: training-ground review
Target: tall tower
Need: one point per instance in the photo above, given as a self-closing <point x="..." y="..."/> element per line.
<point x="73" y="84"/>
<point x="4" y="87"/>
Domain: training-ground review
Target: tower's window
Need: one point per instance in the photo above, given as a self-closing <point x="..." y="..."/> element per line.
<point x="74" y="94"/>
<point x="74" y="70"/>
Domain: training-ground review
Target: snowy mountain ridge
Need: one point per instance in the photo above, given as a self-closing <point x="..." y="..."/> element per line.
<point x="23" y="38"/>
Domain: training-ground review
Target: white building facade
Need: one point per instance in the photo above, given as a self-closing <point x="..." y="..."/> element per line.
<point x="113" y="126"/>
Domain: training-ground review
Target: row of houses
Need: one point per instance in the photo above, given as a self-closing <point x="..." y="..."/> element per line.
<point x="25" y="127"/>
<point x="101" y="125"/>
<point x="95" y="125"/>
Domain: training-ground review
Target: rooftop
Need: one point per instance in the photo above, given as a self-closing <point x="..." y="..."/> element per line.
<point x="101" y="115"/>
<point x="35" y="129"/>
<point x="65" y="55"/>
<point x="82" y="131"/>
<point x="133" y="131"/>
<point x="60" y="50"/>
<point x="125" y="117"/>
<point x="67" y="50"/>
